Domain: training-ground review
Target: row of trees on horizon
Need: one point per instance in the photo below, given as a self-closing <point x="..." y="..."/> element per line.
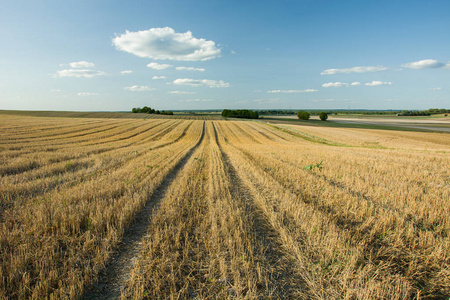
<point x="149" y="110"/>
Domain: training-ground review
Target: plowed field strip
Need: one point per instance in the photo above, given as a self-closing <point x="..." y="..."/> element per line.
<point x="74" y="174"/>
<point x="94" y="136"/>
<point x="13" y="169"/>
<point x="293" y="245"/>
<point x="375" y="207"/>
<point x="75" y="133"/>
<point x="269" y="250"/>
<point x="75" y="228"/>
<point x="118" y="270"/>
<point x="361" y="232"/>
<point x="28" y="131"/>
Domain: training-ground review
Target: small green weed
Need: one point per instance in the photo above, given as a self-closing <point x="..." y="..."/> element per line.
<point x="312" y="166"/>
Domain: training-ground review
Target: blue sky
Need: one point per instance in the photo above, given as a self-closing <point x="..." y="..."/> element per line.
<point x="89" y="55"/>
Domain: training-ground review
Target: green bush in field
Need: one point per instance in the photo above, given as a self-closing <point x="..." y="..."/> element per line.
<point x="303" y="115"/>
<point x="323" y="116"/>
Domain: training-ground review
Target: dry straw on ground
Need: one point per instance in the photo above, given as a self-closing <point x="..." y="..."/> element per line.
<point x="214" y="209"/>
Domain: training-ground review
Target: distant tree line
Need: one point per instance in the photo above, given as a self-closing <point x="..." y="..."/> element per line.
<point x="240" y="113"/>
<point x="149" y="110"/>
<point x="277" y="112"/>
<point x="429" y="112"/>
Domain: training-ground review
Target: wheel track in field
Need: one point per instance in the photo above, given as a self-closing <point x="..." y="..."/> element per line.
<point x="118" y="269"/>
<point x="82" y="178"/>
<point x="266" y="236"/>
<point x="350" y="225"/>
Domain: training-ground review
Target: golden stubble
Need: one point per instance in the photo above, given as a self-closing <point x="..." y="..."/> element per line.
<point x="257" y="211"/>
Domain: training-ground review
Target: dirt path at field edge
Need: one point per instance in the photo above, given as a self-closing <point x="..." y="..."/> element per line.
<point x="113" y="277"/>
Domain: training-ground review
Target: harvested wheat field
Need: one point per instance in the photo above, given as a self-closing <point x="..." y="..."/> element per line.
<point x="215" y="209"/>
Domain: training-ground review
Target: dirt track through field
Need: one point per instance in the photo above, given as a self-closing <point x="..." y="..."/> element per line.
<point x="113" y="278"/>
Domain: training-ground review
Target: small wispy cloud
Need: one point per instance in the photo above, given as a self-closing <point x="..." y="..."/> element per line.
<point x="334" y="84"/>
<point x="157" y="66"/>
<point x="201" y="82"/>
<point x="377" y="83"/>
<point x="139" y="88"/>
<point x="87" y="94"/>
<point x="293" y="91"/>
<point x="81" y="64"/>
<point x="436" y="89"/>
<point x="426" y="64"/>
<point x="79" y="69"/>
<point x="126" y="72"/>
<point x="180" y="92"/>
<point x="339" y="84"/>
<point x="190" y="69"/>
<point x="363" y="69"/>
<point x="158" y="77"/>
<point x="79" y="73"/>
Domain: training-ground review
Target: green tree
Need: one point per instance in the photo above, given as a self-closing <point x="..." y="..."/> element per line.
<point x="323" y="116"/>
<point x="303" y="115"/>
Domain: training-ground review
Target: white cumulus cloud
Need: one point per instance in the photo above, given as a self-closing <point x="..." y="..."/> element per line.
<point x="126" y="72"/>
<point x="201" y="82"/>
<point x="363" y="69"/>
<point x="79" y="73"/>
<point x="139" y="88"/>
<point x="293" y="91"/>
<point x="355" y="83"/>
<point x="165" y="43"/>
<point x="377" y="82"/>
<point x="425" y="64"/>
<point x="81" y="64"/>
<point x="157" y="66"/>
<point x="334" y="84"/>
<point x="190" y="69"/>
